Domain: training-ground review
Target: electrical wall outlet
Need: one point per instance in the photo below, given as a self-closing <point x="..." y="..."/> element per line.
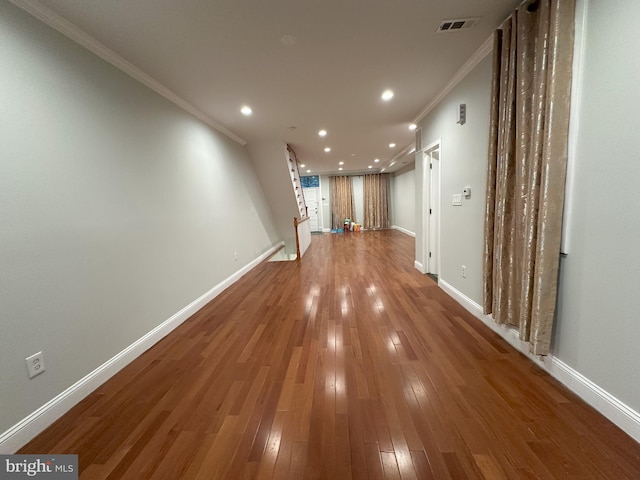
<point x="464" y="271"/>
<point x="35" y="364"/>
<point x="235" y="256"/>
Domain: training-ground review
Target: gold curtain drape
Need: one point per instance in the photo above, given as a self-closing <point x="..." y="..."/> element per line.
<point x="376" y="201"/>
<point x="341" y="197"/>
<point x="532" y="60"/>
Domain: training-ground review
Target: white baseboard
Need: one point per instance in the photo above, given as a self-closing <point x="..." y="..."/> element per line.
<point x="418" y="266"/>
<point x="403" y="230"/>
<point x="326" y="230"/>
<point x="26" y="429"/>
<point x="619" y="413"/>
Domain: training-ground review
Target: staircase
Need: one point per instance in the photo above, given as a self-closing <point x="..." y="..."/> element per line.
<point x="294" y="172"/>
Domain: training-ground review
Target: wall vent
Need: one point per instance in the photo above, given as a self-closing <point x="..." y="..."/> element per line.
<point x="457" y="24"/>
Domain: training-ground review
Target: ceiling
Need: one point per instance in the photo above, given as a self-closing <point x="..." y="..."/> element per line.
<point x="301" y="65"/>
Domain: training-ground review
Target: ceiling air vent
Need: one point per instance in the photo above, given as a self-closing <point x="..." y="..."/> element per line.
<point x="457" y="24"/>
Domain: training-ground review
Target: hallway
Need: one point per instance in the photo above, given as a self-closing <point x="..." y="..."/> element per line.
<point x="349" y="364"/>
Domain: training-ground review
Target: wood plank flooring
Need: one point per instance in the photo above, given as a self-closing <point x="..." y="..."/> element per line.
<point x="350" y="364"/>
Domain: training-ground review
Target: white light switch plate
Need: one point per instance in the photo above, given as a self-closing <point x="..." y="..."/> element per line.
<point x="456" y="200"/>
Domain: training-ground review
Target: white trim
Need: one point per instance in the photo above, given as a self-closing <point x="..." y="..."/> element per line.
<point x="418" y="266"/>
<point x="579" y="47"/>
<point x="326" y="230"/>
<point x="33" y="424"/>
<point x="403" y="230"/>
<point x="618" y="412"/>
<point x="479" y="55"/>
<point x="55" y="21"/>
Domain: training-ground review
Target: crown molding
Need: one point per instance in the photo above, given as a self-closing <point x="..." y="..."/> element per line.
<point x="55" y="21"/>
<point x="484" y="50"/>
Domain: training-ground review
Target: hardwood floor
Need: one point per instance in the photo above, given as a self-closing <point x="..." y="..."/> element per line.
<point x="350" y="364"/>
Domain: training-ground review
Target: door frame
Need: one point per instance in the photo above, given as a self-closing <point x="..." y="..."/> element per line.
<point x="428" y="180"/>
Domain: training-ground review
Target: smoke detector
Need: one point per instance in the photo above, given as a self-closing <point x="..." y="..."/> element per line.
<point x="457" y="24"/>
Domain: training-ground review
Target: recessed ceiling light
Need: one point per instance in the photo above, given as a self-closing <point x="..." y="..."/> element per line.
<point x="369" y="166"/>
<point x="340" y="163"/>
<point x="322" y="133"/>
<point x="340" y="168"/>
<point x="377" y="160"/>
<point x="413" y="126"/>
<point x="308" y="171"/>
<point x="327" y="149"/>
<point x="353" y="154"/>
<point x="387" y="95"/>
<point x="302" y="165"/>
<point x="392" y="145"/>
<point x="246" y="110"/>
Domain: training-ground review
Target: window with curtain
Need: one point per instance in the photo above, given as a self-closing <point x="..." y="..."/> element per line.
<point x="341" y="196"/>
<point x="529" y="124"/>
<point x="376" y="201"/>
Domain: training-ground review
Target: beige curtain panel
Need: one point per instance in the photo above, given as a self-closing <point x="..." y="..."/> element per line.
<point x="341" y="197"/>
<point x="532" y="60"/>
<point x="376" y="201"/>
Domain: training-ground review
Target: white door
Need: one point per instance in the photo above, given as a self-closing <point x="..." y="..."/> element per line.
<point x="312" y="198"/>
<point x="434" y="211"/>
<point x="431" y="209"/>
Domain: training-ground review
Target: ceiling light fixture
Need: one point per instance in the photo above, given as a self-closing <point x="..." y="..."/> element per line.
<point x="308" y="171"/>
<point x="387" y="95"/>
<point x="377" y="160"/>
<point x="392" y="145"/>
<point x="302" y="165"/>
<point x="340" y="163"/>
<point x="246" y="110"/>
<point x="340" y="168"/>
<point x="369" y="166"/>
<point x="413" y="126"/>
<point x="327" y="149"/>
<point x="322" y="133"/>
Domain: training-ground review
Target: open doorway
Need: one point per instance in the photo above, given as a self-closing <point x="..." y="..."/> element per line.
<point x="431" y="209"/>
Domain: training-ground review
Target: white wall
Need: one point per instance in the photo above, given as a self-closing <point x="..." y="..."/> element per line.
<point x="463" y="162"/>
<point x="598" y="327"/>
<point x="117" y="209"/>
<point x="403" y="194"/>
<point x="597" y="332"/>
<point x="271" y="163"/>
<point x="325" y="191"/>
